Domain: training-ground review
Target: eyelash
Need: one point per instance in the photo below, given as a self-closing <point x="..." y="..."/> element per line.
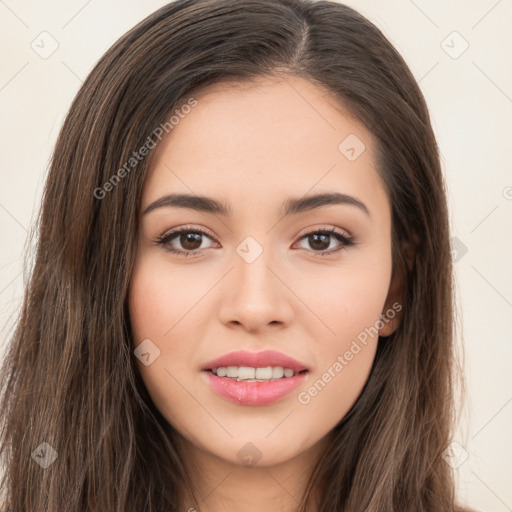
<point x="166" y="238"/>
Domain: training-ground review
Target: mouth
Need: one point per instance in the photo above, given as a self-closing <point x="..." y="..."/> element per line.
<point x="242" y="385"/>
<point x="252" y="374"/>
<point x="254" y="378"/>
<point x="265" y="365"/>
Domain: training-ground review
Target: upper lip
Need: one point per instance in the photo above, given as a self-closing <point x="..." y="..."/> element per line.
<point x="255" y="360"/>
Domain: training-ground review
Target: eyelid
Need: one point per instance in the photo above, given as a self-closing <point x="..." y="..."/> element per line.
<point x="329" y="229"/>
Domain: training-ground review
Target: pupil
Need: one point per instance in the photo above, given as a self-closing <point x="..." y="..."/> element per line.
<point x="190" y="238"/>
<point x="315" y="237"/>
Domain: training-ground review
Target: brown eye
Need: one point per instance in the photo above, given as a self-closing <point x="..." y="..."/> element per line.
<point x="320" y="240"/>
<point x="189" y="240"/>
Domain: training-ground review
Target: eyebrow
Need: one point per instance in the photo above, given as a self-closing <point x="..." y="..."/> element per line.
<point x="291" y="206"/>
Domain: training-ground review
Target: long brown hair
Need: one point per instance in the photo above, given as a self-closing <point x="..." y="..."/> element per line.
<point x="69" y="378"/>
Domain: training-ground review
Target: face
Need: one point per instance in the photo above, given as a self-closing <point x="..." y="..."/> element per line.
<point x="309" y="282"/>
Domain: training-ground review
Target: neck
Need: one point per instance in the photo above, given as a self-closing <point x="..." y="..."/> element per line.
<point x="222" y="485"/>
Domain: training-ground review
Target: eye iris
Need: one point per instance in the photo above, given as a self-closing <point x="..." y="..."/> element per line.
<point x="315" y="240"/>
<point x="192" y="238"/>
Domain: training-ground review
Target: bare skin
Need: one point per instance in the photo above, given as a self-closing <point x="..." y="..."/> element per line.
<point x="253" y="148"/>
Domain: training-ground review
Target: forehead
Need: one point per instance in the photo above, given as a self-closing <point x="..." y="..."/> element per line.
<point x="248" y="143"/>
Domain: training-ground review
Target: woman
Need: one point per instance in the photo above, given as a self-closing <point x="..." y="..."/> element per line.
<point x="242" y="295"/>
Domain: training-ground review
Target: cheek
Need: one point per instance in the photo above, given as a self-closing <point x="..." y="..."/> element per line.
<point x="159" y="299"/>
<point x="158" y="313"/>
<point x="166" y="306"/>
<point x="348" y="300"/>
<point x="350" y="307"/>
<point x="337" y="382"/>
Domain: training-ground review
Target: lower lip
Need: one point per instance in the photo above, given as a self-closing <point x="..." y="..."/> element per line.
<point x="254" y="393"/>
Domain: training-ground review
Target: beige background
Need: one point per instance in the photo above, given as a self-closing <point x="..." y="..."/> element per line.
<point x="469" y="92"/>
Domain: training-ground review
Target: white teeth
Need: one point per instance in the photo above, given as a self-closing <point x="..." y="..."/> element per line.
<point x="264" y="373"/>
<point x="253" y="374"/>
<point x="232" y="371"/>
<point x="277" y="372"/>
<point x="245" y="373"/>
<point x="221" y="372"/>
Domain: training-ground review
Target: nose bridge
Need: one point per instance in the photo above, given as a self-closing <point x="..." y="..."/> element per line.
<point x="253" y="277"/>
<point x="257" y="296"/>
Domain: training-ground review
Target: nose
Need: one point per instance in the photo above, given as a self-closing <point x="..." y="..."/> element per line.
<point x="256" y="296"/>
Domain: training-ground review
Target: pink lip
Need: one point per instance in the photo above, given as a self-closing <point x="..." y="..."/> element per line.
<point x="256" y="360"/>
<point x="254" y="393"/>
